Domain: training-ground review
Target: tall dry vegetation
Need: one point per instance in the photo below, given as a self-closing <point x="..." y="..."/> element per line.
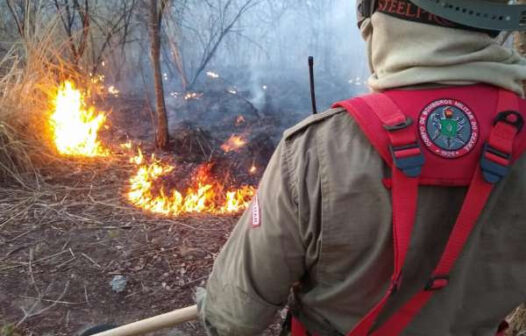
<point x="28" y="71"/>
<point x="46" y="45"/>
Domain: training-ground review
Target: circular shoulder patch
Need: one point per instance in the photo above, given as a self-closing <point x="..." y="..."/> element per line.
<point x="448" y="128"/>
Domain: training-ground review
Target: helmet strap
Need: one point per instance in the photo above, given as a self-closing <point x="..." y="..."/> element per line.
<point x="406" y="10"/>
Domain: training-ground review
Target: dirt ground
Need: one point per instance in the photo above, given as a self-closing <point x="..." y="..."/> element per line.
<point x="61" y="245"/>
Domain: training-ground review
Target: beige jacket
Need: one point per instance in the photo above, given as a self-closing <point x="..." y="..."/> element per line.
<point x="326" y="222"/>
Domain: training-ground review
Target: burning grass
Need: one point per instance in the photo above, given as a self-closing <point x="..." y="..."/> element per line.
<point x="30" y="72"/>
<point x="76" y="127"/>
<point x="150" y="190"/>
<point x="234" y="143"/>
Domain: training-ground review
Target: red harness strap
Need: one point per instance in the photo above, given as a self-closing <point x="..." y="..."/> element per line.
<point x="407" y="161"/>
<point x="498" y="151"/>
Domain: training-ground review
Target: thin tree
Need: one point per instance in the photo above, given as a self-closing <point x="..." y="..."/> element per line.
<point x="218" y="32"/>
<point x="24" y="15"/>
<point x="156" y="15"/>
<point x="68" y="13"/>
<point x="222" y="18"/>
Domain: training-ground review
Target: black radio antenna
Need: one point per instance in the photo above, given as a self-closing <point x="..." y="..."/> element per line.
<point x="312" y="89"/>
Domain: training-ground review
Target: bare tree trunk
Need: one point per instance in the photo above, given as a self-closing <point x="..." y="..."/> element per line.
<point x="161" y="134"/>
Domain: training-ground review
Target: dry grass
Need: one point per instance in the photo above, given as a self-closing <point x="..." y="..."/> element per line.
<point x="14" y="153"/>
<point x="30" y="73"/>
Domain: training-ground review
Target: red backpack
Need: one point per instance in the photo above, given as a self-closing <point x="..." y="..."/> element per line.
<point x="434" y="137"/>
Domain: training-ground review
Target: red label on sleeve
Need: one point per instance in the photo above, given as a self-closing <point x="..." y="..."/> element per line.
<point x="256" y="212"/>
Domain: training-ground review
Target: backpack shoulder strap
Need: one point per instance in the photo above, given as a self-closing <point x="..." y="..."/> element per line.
<point x="389" y="131"/>
<point x="406" y="159"/>
<point x="496" y="160"/>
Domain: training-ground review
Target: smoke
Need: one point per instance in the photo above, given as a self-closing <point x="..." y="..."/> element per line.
<point x="261" y="58"/>
<point x="264" y="56"/>
<point x="271" y="54"/>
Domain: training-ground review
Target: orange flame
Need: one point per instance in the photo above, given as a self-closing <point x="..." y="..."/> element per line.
<point x="75" y="127"/>
<point x="233" y="143"/>
<point x="192" y="95"/>
<point x="205" y="195"/>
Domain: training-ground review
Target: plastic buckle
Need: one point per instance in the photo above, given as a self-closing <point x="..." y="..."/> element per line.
<point x="408" y="122"/>
<point x="437" y="283"/>
<point x="411" y="165"/>
<point x="492" y="171"/>
<point x="512" y="118"/>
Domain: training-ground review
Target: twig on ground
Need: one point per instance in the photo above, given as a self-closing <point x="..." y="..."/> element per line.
<point x="30" y="270"/>
<point x="31" y="312"/>
<point x="90" y="259"/>
<point x="86" y="294"/>
<point x="65" y="263"/>
<point x="48" y="300"/>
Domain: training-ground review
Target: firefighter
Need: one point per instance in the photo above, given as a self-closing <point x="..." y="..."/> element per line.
<point x="399" y="212"/>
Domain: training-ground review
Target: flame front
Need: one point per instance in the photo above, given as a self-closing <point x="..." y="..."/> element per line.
<point x="75" y="127"/>
<point x="205" y="195"/>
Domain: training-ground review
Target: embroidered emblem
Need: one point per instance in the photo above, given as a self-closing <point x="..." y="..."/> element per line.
<point x="448" y="128"/>
<point x="256" y="212"/>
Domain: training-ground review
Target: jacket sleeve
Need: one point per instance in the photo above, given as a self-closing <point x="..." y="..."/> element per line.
<point x="263" y="257"/>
